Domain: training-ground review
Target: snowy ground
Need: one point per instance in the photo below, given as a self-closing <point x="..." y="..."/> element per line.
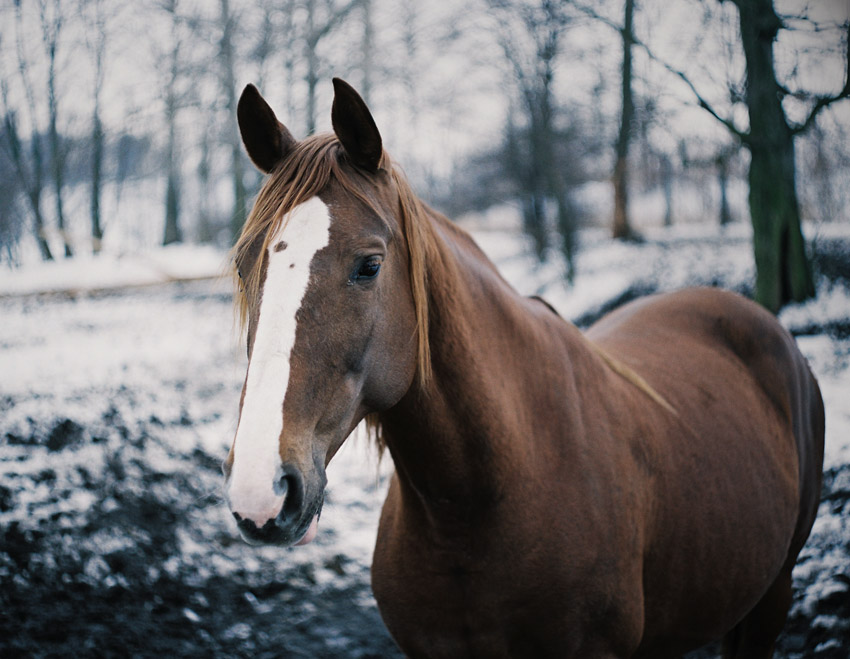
<point x="117" y="405"/>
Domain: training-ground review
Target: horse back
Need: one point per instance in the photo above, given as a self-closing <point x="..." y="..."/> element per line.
<point x="704" y="336"/>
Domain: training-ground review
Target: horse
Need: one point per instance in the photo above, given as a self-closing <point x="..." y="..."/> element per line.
<point x="637" y="490"/>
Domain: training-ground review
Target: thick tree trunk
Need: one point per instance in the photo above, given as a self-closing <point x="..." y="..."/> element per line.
<point x="622" y="227"/>
<point x="783" y="271"/>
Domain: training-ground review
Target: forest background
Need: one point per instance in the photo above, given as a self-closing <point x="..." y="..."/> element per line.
<point x="119" y="132"/>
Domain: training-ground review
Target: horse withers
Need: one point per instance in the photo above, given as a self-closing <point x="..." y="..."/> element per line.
<point x="635" y="491"/>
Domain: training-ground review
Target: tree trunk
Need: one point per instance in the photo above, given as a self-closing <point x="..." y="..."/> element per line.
<point x="38" y="219"/>
<point x="783" y="271"/>
<point x="622" y="227"/>
<point x="172" y="209"/>
<point x="667" y="176"/>
<point x="98" y="48"/>
<point x="57" y="155"/>
<point x="32" y="184"/>
<point x="96" y="181"/>
<point x="172" y="233"/>
<point x="205" y="229"/>
<point x="366" y="51"/>
<point x="723" y="183"/>
<point x="228" y="79"/>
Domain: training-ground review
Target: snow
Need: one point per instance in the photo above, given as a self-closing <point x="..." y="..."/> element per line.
<point x="120" y="378"/>
<point x="87" y="273"/>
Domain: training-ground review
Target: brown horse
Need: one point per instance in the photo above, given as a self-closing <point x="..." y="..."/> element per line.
<point x="636" y="491"/>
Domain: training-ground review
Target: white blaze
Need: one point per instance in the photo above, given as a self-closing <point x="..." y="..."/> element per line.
<point x="256" y="458"/>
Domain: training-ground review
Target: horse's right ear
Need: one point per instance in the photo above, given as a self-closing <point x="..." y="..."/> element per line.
<point x="265" y="138"/>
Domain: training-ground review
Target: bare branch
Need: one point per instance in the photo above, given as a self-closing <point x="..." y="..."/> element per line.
<point x="701" y="101"/>
<point x="822" y="102"/>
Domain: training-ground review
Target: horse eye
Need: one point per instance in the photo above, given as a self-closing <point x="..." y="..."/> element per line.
<point x="368" y="269"/>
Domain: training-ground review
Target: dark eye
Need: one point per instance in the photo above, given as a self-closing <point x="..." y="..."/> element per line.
<point x="368" y="269"/>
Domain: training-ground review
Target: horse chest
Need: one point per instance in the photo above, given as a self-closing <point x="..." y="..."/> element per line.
<point x="462" y="603"/>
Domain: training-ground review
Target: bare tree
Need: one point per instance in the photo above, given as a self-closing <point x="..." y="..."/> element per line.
<point x="531" y="36"/>
<point x="11" y="226"/>
<point x="173" y="104"/>
<point x="783" y="270"/>
<point x="52" y="20"/>
<point x="28" y="163"/>
<point x="622" y="226"/>
<point x="367" y="64"/>
<point x="323" y="17"/>
<point x="96" y="38"/>
<point x="228" y="24"/>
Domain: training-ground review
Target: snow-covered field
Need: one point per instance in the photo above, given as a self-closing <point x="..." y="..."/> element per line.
<point x="119" y="387"/>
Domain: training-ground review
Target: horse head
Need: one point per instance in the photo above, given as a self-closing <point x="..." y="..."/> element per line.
<point x="329" y="273"/>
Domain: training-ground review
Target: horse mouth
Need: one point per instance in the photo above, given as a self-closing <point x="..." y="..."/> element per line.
<point x="276" y="532"/>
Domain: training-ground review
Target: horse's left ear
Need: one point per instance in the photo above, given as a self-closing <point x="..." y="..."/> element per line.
<point x="355" y="128"/>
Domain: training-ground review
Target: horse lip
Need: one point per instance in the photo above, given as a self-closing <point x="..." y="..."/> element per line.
<point x="310" y="533"/>
<point x="271" y="534"/>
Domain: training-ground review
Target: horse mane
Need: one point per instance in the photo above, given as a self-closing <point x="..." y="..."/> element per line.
<point x="303" y="174"/>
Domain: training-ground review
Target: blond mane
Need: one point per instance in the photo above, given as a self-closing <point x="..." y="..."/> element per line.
<point x="305" y="172"/>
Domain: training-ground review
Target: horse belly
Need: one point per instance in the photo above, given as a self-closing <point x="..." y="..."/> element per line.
<point x="729" y="515"/>
<point x="726" y="474"/>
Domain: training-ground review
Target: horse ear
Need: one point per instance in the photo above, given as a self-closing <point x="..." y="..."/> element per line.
<point x="355" y="128"/>
<point x="266" y="140"/>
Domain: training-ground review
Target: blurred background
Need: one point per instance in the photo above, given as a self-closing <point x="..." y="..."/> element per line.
<point x="596" y="150"/>
<point x="119" y="128"/>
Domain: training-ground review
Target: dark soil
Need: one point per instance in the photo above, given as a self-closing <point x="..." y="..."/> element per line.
<point x="109" y="581"/>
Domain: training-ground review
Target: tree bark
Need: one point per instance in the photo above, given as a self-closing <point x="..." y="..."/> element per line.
<point x="622" y="227"/>
<point x="783" y="271"/>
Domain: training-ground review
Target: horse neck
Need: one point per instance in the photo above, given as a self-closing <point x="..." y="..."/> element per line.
<point x="453" y="442"/>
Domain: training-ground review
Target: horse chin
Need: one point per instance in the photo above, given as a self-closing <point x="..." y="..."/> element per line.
<point x="273" y="535"/>
<point x="311" y="532"/>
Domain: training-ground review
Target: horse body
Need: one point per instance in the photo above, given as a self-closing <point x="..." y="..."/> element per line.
<point x="636" y="491"/>
<point x="562" y="499"/>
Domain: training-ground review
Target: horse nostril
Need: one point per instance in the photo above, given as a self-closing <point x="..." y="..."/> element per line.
<point x="291" y="487"/>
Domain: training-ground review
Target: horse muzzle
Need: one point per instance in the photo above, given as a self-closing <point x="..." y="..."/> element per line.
<point x="284" y="514"/>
